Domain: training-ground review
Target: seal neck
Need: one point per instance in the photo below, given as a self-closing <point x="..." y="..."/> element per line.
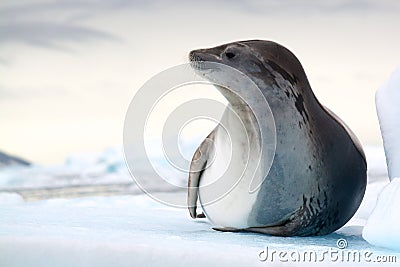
<point x="238" y="116"/>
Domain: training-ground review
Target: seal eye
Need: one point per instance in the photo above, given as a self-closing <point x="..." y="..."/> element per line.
<point x="230" y="55"/>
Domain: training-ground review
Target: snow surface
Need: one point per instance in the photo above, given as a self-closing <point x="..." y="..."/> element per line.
<point x="86" y="168"/>
<point x="383" y="227"/>
<point x="136" y="230"/>
<point x="7" y="199"/>
<point x="107" y="167"/>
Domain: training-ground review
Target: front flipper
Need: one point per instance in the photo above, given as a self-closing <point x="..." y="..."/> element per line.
<point x="199" y="163"/>
<point x="200" y="215"/>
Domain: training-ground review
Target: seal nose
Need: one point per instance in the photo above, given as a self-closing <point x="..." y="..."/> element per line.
<point x="202" y="55"/>
<point x="194" y="56"/>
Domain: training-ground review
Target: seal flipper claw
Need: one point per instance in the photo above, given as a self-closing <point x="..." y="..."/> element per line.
<point x="201" y="215"/>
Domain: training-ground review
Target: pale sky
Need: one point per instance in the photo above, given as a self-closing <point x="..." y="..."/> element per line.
<point x="68" y="69"/>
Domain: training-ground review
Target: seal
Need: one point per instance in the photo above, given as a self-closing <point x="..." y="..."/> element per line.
<point x="317" y="179"/>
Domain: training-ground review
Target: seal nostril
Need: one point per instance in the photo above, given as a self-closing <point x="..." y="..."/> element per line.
<point x="193" y="56"/>
<point x="230" y="55"/>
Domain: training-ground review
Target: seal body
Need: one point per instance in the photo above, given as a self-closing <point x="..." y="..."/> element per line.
<point x="318" y="175"/>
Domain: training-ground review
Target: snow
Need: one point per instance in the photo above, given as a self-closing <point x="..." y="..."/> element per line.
<point x="137" y="231"/>
<point x="383" y="228"/>
<point x="107" y="167"/>
<point x="376" y="160"/>
<point x="7" y="199"/>
<point x="86" y="168"/>
<point x="370" y="198"/>
<point x="388" y="109"/>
